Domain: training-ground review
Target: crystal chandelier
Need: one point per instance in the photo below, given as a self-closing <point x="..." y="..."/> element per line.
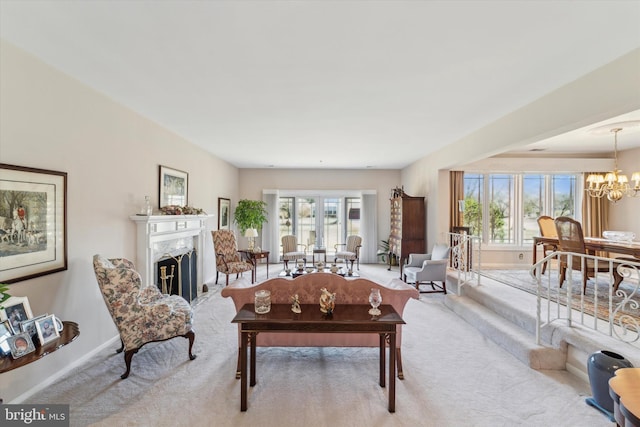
<point x="615" y="184"/>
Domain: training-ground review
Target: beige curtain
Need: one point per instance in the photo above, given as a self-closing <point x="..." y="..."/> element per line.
<point x="595" y="213"/>
<point x="456" y="193"/>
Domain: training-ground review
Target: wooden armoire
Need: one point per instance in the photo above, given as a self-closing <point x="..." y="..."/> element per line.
<point x="407" y="226"/>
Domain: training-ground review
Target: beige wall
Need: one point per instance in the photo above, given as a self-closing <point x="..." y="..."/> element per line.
<point x="111" y="155"/>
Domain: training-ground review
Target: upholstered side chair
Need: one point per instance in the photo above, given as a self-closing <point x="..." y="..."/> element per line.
<point x="228" y="259"/>
<point x="142" y="314"/>
<point x="428" y="268"/>
<point x="292" y="250"/>
<point x="350" y="251"/>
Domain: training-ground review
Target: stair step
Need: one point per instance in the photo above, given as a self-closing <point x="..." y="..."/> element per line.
<point x="508" y="335"/>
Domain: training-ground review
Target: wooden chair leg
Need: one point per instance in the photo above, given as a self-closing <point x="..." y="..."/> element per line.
<point x="217" y="277"/>
<point x="191" y="336"/>
<point x="128" y="355"/>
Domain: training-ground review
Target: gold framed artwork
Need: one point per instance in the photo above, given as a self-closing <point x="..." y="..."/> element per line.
<point x="33" y="222"/>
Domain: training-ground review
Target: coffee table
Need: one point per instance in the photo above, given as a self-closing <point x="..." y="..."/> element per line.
<point x="295" y="273"/>
<point x="347" y="318"/>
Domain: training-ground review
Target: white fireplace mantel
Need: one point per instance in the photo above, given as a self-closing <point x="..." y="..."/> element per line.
<point x="162" y="235"/>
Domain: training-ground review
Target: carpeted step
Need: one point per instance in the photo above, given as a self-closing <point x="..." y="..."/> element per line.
<point x="506" y="334"/>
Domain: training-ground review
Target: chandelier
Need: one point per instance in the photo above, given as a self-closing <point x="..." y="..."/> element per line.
<point x="614" y="185"/>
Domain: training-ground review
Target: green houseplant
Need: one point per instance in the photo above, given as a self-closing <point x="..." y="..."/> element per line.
<point x="250" y="214"/>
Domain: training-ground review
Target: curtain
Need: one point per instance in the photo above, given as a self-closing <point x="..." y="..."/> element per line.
<point x="456" y="194"/>
<point x="595" y="212"/>
<point x="270" y="233"/>
<point x="369" y="230"/>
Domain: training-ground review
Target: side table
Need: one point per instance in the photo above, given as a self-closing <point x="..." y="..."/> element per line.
<point x="319" y="251"/>
<point x="253" y="258"/>
<point x="70" y="332"/>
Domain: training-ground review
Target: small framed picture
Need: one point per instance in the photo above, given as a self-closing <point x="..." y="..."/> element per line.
<point x="5" y="333"/>
<point x="174" y="187"/>
<point x="224" y="212"/>
<point x="16" y="310"/>
<point x="20" y="344"/>
<point x="30" y="325"/>
<point x="46" y="327"/>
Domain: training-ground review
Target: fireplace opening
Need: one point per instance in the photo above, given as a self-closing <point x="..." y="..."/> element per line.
<point x="178" y="275"/>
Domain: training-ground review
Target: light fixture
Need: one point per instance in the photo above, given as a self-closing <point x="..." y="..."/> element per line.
<point x="251" y="234"/>
<point x="614" y="185"/>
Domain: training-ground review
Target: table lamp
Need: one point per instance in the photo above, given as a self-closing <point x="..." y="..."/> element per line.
<point x="251" y="234"/>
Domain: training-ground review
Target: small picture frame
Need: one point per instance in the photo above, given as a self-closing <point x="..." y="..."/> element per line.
<point x="21" y="345"/>
<point x="5" y="332"/>
<point x="224" y="213"/>
<point x="47" y="330"/>
<point x="174" y="187"/>
<point x="16" y="310"/>
<point x="29" y="326"/>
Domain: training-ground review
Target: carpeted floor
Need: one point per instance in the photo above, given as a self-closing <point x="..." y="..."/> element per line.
<point x="521" y="279"/>
<point x="453" y="376"/>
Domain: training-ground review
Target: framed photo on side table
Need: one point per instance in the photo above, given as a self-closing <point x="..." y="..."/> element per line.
<point x="47" y="330"/>
<point x="174" y="187"/>
<point x="21" y="345"/>
<point x="16" y="310"/>
<point x="33" y="239"/>
<point x="224" y="213"/>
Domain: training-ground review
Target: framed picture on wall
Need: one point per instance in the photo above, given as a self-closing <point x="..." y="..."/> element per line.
<point x="33" y="222"/>
<point x="174" y="187"/>
<point x="224" y="213"/>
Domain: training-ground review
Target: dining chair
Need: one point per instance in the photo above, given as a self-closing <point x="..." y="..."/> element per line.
<point x="547" y="229"/>
<point x="571" y="239"/>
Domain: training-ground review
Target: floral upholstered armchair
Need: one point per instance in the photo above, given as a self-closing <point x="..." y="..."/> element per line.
<point x="141" y="314"/>
<point x="228" y="259"/>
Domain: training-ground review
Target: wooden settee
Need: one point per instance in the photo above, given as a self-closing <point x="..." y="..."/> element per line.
<point x="348" y="291"/>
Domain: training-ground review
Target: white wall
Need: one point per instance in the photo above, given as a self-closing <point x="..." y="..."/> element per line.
<point x="111" y="155"/>
<point x="253" y="181"/>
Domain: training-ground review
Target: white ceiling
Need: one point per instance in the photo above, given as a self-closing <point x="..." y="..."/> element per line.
<point x="326" y="84"/>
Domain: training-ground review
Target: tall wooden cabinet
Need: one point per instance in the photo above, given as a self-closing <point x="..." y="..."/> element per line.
<point x="407" y="226"/>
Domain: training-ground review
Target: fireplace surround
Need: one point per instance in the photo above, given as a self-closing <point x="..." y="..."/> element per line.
<point x="159" y="237"/>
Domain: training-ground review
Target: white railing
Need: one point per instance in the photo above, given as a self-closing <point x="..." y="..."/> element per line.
<point x="613" y="313"/>
<point x="466" y="256"/>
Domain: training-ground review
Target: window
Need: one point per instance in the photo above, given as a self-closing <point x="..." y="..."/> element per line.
<point x="322" y="221"/>
<point x="514" y="202"/>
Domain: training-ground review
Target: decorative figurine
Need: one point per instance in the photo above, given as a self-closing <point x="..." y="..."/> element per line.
<point x="327" y="301"/>
<point x="295" y="306"/>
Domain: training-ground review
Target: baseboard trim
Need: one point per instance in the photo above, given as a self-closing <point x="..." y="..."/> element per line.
<point x="53" y="378"/>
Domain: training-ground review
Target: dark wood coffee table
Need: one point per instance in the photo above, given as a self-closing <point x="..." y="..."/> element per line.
<point x="347" y="318"/>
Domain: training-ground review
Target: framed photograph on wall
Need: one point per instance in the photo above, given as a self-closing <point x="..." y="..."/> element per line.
<point x="174" y="187"/>
<point x="224" y="213"/>
<point x="33" y="222"/>
<point x="16" y="310"/>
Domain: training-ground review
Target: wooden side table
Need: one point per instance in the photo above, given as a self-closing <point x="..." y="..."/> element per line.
<point x="624" y="390"/>
<point x="70" y="332"/>
<point x="319" y="251"/>
<point x="253" y="258"/>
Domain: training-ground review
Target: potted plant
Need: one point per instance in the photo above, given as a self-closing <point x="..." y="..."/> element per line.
<point x="383" y="252"/>
<point x="250" y="214"/>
